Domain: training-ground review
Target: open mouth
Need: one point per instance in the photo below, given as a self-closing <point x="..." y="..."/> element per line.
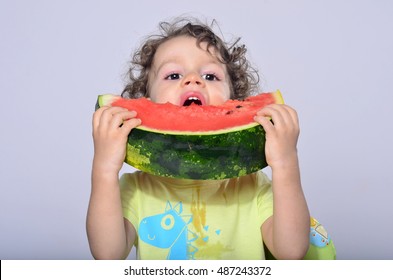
<point x="192" y="100"/>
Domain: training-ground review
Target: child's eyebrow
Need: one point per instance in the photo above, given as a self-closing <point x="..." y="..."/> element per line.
<point x="175" y="61"/>
<point x="156" y="69"/>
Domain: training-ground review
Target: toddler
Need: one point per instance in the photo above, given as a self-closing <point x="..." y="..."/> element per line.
<point x="167" y="218"/>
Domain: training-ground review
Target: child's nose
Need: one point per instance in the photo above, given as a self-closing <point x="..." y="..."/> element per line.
<point x="193" y="78"/>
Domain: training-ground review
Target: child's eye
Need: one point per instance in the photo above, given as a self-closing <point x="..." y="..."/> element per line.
<point x="173" y="76"/>
<point x="210" y="77"/>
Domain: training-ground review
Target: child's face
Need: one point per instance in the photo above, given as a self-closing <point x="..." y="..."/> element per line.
<point x="183" y="73"/>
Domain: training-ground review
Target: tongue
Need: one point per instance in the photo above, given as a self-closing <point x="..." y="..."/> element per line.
<point x="188" y="102"/>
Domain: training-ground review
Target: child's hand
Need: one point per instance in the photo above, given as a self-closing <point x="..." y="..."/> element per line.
<point x="281" y="135"/>
<point x="111" y="126"/>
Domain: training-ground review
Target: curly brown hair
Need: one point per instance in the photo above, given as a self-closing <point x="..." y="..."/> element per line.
<point x="244" y="78"/>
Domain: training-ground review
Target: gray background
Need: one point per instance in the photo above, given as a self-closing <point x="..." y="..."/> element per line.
<point x="332" y="60"/>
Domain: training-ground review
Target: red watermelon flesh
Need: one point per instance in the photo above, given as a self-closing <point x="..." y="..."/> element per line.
<point x="170" y="118"/>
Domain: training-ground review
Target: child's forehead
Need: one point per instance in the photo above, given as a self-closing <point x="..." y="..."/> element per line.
<point x="185" y="41"/>
<point x="177" y="47"/>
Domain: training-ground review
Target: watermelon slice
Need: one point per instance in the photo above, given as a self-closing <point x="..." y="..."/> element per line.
<point x="196" y="142"/>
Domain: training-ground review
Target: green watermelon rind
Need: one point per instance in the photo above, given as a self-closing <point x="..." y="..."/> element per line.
<point x="105" y="99"/>
<point x="210" y="132"/>
<point x="203" y="157"/>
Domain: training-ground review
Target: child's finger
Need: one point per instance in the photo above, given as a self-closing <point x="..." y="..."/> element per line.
<point x="97" y="116"/>
<point x="282" y="115"/>
<point x="288" y="113"/>
<point x="118" y="118"/>
<point x="290" y="119"/>
<point x="130" y="124"/>
<point x="274" y="113"/>
<point x="293" y="114"/>
<point x="265" y="122"/>
<point x="110" y="115"/>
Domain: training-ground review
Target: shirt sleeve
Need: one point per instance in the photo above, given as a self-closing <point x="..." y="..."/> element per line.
<point x="129" y="200"/>
<point x="265" y="197"/>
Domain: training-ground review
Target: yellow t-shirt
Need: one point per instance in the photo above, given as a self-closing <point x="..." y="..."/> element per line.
<point x="197" y="219"/>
